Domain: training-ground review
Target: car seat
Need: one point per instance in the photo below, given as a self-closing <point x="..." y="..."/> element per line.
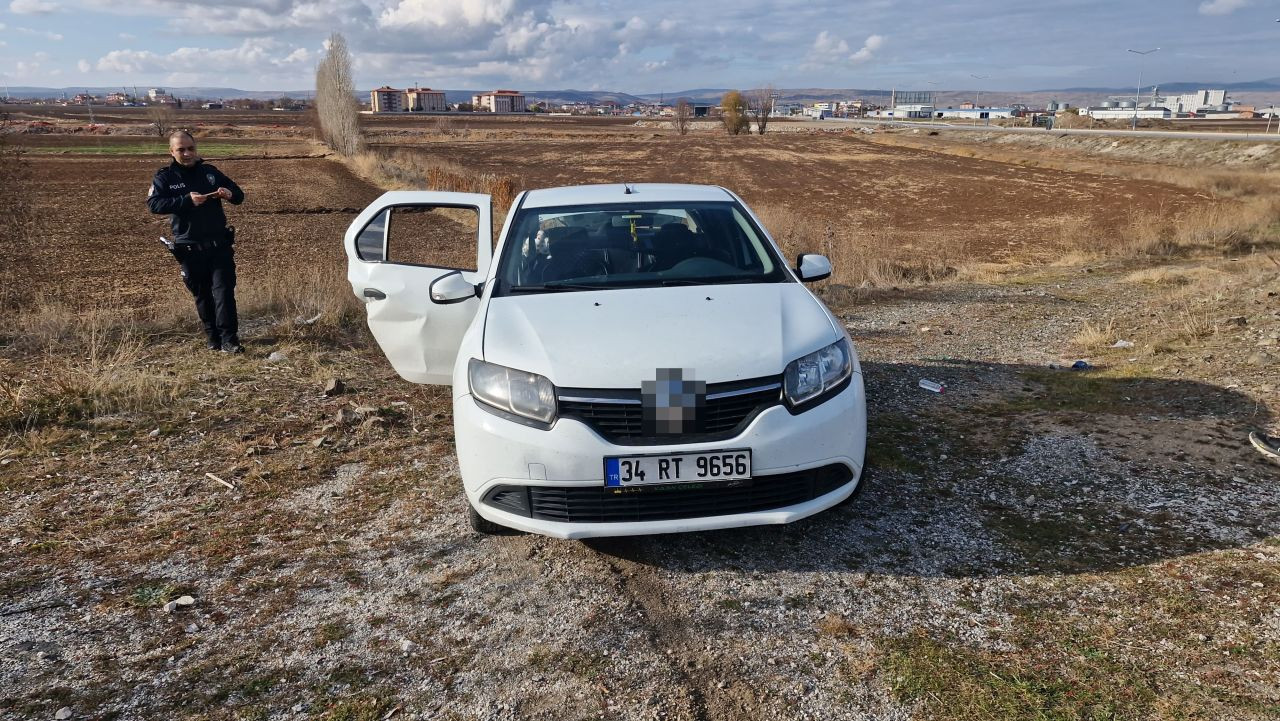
<point x="672" y="243"/>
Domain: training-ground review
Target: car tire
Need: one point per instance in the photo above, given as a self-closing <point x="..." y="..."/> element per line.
<point x="484" y="526"/>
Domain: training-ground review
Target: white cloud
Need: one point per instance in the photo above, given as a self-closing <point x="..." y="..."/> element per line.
<point x="32" y="7"/>
<point x="39" y="33"/>
<point x="254" y="57"/>
<point x="830" y="50"/>
<point x="869" y="46"/>
<point x="1221" y="7"/>
<point x="127" y="36"/>
<point x="84" y="66"/>
<point x="826" y="45"/>
<point x="432" y="14"/>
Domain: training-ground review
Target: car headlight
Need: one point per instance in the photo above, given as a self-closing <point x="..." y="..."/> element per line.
<point x="808" y="377"/>
<point x="527" y="395"/>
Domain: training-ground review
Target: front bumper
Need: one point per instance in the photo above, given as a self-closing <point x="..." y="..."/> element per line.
<point x="496" y="454"/>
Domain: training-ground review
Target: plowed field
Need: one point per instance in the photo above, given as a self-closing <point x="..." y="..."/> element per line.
<point x="100" y="243"/>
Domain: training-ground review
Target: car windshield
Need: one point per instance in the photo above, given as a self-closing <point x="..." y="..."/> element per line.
<point x="598" y="247"/>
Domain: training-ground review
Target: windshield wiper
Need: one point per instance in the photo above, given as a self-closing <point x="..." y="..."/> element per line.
<point x="716" y="280"/>
<point x="556" y="286"/>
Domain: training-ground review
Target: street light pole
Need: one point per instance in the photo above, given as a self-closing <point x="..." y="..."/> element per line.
<point x="977" y="96"/>
<point x="1138" y="92"/>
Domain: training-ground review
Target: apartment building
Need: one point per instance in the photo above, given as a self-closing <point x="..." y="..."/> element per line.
<point x="387" y="100"/>
<point x="500" y="101"/>
<point x="419" y="100"/>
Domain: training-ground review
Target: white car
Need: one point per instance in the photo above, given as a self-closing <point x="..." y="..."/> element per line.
<point x="636" y="359"/>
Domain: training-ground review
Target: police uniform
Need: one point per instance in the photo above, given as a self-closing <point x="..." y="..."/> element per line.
<point x="202" y="243"/>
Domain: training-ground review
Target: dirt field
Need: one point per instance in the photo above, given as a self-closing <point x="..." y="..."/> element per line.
<point x="108" y="250"/>
<point x="1034" y="543"/>
<point x="297" y="207"/>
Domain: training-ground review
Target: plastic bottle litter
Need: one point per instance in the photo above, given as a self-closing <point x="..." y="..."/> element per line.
<point x="1123" y="344"/>
<point x="934" y="386"/>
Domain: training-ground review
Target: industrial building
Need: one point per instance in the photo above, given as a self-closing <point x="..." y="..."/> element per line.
<point x="1125" y="110"/>
<point x="978" y="113"/>
<point x="1198" y="101"/>
<point x="1203" y="103"/>
<point x="500" y="101"/>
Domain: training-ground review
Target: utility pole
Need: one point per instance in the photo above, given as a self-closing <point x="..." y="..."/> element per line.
<point x="977" y="96"/>
<point x="1138" y="92"/>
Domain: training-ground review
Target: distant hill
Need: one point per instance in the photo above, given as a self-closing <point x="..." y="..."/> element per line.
<point x="183" y="92"/>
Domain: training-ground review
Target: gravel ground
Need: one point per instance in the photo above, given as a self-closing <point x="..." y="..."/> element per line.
<point x="1108" y="530"/>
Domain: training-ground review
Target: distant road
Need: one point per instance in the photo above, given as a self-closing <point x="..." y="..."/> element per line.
<point x="1192" y="134"/>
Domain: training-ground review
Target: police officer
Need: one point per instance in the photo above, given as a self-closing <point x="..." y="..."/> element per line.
<point x="191" y="191"/>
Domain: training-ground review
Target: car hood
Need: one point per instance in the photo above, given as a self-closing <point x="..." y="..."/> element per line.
<point x="618" y="338"/>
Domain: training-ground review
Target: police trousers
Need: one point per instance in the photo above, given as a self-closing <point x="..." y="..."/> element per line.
<point x="210" y="275"/>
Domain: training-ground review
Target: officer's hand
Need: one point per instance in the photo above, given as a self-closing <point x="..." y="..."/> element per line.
<point x="223" y="193"/>
<point x="197" y="198"/>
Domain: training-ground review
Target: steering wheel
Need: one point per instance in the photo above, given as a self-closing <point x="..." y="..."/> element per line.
<point x="699" y="265"/>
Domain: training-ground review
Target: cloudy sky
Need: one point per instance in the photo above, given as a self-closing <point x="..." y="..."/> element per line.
<point x="646" y="46"/>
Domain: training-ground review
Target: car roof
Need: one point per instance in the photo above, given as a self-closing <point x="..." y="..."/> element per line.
<point x="617" y="193"/>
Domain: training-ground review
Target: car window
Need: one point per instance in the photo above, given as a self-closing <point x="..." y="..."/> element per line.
<point x="435" y="236"/>
<point x="626" y="246"/>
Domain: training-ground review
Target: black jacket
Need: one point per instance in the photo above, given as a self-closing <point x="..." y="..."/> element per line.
<point x="170" y="193"/>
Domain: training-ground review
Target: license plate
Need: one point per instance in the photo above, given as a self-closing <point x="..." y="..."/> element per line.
<point x="653" y="470"/>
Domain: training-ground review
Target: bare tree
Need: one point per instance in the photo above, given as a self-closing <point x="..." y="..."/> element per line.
<point x="760" y="103"/>
<point x="683" y="116"/>
<point x="733" y="113"/>
<point x="336" y="106"/>
<point x="162" y="117"/>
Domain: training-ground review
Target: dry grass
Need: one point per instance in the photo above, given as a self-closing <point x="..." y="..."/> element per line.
<point x="409" y="170"/>
<point x="1226" y="227"/>
<point x="105" y="369"/>
<point x="316" y="294"/>
<point x="68" y="364"/>
<point x="1196" y="301"/>
<point x="1095" y="337"/>
<point x="1234" y="183"/>
<point x="1194" y="324"/>
<point x="873" y="258"/>
<point x="1171" y="276"/>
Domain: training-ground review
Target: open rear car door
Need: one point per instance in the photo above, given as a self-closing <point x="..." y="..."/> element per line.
<point x="399" y="246"/>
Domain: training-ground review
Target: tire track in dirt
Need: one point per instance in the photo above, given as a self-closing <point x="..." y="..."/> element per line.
<point x="712" y="693"/>
<point x="656" y="619"/>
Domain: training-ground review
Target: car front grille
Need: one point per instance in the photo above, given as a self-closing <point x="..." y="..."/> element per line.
<point x="597" y="504"/>
<point x="618" y="416"/>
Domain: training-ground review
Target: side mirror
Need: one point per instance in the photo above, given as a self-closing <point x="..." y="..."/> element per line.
<point x="811" y="267"/>
<point x="452" y="288"/>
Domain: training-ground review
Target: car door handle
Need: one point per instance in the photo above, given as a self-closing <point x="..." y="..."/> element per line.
<point x="375" y="294"/>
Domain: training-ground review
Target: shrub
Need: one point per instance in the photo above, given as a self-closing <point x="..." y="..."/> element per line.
<point x="733" y="113"/>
